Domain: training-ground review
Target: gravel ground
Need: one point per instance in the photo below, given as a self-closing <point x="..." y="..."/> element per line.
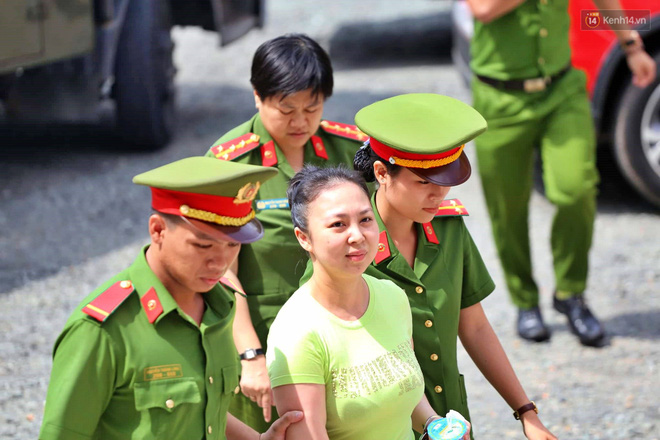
<point x="582" y="393"/>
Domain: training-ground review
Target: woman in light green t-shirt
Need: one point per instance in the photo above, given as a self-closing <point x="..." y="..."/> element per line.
<point x="341" y="349"/>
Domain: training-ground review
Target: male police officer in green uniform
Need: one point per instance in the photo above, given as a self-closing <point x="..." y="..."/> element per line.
<point x="150" y="354"/>
<point x="292" y="78"/>
<point x="531" y="97"/>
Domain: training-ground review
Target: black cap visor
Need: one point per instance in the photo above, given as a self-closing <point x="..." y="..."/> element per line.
<point x="452" y="174"/>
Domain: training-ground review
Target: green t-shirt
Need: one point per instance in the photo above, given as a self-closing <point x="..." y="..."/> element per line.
<point x="372" y="379"/>
<point x="447" y="276"/>
<point x="528" y="42"/>
<point x="127" y="378"/>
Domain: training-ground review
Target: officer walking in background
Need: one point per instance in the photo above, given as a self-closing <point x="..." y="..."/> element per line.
<point x="150" y="354"/>
<point x="531" y="97"/>
<point x="291" y="79"/>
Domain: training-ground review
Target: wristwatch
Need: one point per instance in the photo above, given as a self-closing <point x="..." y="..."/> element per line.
<point x="251" y="353"/>
<point x="523" y="409"/>
<point x="632" y="44"/>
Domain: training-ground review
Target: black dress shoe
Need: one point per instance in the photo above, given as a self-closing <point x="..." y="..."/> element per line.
<point x="531" y="326"/>
<point x="582" y="322"/>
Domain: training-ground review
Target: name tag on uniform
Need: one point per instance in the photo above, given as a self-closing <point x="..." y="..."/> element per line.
<point x="262" y="205"/>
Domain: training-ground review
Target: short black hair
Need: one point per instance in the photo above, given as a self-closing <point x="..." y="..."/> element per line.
<point x="364" y="160"/>
<point x="172" y="220"/>
<point x="306" y="185"/>
<point x="289" y="64"/>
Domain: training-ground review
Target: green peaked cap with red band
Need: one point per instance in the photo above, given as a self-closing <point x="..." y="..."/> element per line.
<point x="216" y="194"/>
<point x="424" y="132"/>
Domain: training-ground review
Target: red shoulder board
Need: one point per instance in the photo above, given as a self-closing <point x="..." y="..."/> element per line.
<point x="236" y="147"/>
<point x="268" y="154"/>
<point x="319" y="147"/>
<point x="229" y="283"/>
<point x="103" y="305"/>
<point x="151" y="305"/>
<point x="383" y="248"/>
<point x="451" y="207"/>
<point x="344" y="130"/>
<point x="430" y="233"/>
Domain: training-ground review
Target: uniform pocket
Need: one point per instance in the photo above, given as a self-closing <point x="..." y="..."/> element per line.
<point x="229" y="379"/>
<point x="166" y="394"/>
<point x="461" y="384"/>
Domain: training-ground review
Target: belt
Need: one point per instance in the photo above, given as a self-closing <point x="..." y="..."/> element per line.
<point x="530" y="85"/>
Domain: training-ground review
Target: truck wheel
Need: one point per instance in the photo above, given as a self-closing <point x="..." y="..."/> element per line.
<point x="637" y="138"/>
<point x="144" y="75"/>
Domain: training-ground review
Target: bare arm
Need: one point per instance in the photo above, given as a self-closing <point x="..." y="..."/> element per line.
<point x="255" y="383"/>
<point x="483" y="346"/>
<point x="237" y="430"/>
<point x="488" y="10"/>
<point x="423" y="411"/>
<point x="640" y="63"/>
<point x="309" y="398"/>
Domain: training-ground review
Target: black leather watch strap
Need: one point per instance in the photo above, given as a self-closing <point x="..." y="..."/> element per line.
<point x="251" y="353"/>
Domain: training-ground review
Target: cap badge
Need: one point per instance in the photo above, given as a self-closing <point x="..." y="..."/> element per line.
<point x="247" y="193"/>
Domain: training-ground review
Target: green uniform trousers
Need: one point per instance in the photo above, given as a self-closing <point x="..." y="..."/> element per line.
<point x="558" y="122"/>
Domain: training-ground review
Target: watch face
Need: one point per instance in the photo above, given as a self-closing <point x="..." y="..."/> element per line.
<point x="249" y="353"/>
<point x="447" y="429"/>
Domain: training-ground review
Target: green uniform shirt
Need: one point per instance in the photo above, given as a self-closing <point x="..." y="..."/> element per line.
<point x="270" y="268"/>
<point x="529" y="42"/>
<point x="126" y="378"/>
<point x="446" y="278"/>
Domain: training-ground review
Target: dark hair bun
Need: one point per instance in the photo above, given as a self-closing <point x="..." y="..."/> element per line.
<point x="364" y="163"/>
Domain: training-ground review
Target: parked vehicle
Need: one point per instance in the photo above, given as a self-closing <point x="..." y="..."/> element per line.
<point x="66" y="60"/>
<point x="627" y="118"/>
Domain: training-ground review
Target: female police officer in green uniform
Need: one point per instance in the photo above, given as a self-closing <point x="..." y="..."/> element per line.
<point x="150" y="354"/>
<point x="291" y="77"/>
<point x="415" y="152"/>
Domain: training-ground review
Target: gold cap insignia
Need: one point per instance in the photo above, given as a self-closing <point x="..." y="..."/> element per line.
<point x="247" y="193"/>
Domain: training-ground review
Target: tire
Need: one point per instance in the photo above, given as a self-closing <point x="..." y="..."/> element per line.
<point x="637" y="138"/>
<point x="144" y="75"/>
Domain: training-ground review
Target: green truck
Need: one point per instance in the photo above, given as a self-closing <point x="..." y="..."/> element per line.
<point x="67" y="61"/>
